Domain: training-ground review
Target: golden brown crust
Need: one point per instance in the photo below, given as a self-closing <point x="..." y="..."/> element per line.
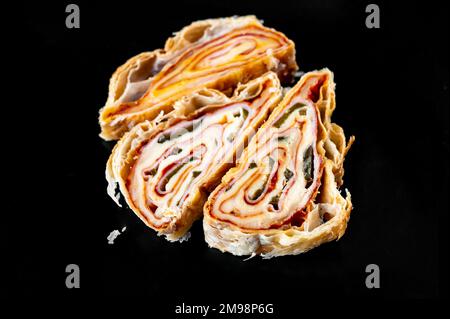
<point x="152" y="81"/>
<point x="332" y="147"/>
<point x="263" y="93"/>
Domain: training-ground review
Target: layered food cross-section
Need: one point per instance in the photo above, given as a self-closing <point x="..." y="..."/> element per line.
<point x="283" y="195"/>
<point x="215" y="53"/>
<point x="166" y="170"/>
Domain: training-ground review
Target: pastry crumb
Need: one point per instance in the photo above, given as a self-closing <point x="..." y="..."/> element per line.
<point x="114" y="234"/>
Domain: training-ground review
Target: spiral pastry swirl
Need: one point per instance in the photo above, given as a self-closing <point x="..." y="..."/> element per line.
<point x="282" y="197"/>
<point x="165" y="171"/>
<point x="217" y="53"/>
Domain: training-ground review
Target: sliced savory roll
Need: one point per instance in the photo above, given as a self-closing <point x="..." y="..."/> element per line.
<point x="165" y="171"/>
<point x="215" y="53"/>
<point x="283" y="196"/>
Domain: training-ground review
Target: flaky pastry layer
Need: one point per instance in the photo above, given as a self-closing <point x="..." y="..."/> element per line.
<point x="165" y="169"/>
<point x="283" y="196"/>
<point x="214" y="53"/>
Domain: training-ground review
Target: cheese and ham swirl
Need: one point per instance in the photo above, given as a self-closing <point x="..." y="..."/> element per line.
<point x="282" y="197"/>
<point x="165" y="171"/>
<point x="216" y="53"/>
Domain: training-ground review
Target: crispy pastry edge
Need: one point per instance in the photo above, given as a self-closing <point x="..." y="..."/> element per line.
<point x="271" y="243"/>
<point x="112" y="128"/>
<point x="123" y="155"/>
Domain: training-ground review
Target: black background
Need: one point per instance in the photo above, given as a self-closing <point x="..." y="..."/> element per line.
<point x="392" y="94"/>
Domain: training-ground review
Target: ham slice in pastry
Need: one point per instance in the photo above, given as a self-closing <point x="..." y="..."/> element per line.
<point x="215" y="53"/>
<point x="165" y="171"/>
<point x="283" y="196"/>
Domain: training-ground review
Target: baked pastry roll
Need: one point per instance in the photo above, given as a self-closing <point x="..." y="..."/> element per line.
<point x="283" y="196"/>
<point x="165" y="171"/>
<point x="215" y="53"/>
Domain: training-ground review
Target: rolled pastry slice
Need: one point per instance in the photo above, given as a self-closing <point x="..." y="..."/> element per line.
<point x="283" y="196"/>
<point x="165" y="171"/>
<point x="216" y="53"/>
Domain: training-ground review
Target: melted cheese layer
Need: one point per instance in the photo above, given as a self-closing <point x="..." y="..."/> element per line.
<point x="279" y="172"/>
